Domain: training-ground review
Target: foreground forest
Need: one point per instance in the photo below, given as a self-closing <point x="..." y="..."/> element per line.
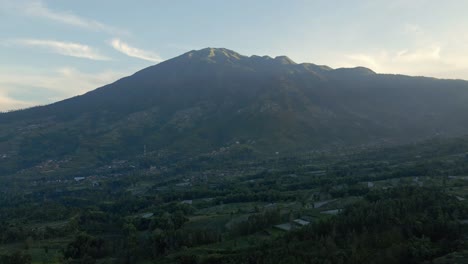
<point x="402" y="204"/>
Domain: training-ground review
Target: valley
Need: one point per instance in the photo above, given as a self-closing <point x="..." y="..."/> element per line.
<point x="216" y="157"/>
<point x="213" y="209"/>
<point x="233" y="132"/>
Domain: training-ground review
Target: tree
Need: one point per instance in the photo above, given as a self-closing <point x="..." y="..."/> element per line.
<point x="83" y="246"/>
<point x="16" y="258"/>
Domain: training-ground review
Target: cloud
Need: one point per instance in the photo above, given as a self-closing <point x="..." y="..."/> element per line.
<point x="83" y="82"/>
<point x="407" y="56"/>
<point x="64" y="48"/>
<point x="50" y="86"/>
<point x="362" y="60"/>
<point x="37" y="8"/>
<point x="421" y="55"/>
<point x="414" y="29"/>
<point x="7" y="103"/>
<point x="135" y="52"/>
<point x="432" y="60"/>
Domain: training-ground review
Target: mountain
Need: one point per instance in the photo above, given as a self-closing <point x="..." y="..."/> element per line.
<point x="212" y="98"/>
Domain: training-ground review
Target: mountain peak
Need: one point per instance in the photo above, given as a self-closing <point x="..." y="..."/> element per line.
<point x="214" y="55"/>
<point x="206" y="99"/>
<point x="356" y="71"/>
<point x="284" y="60"/>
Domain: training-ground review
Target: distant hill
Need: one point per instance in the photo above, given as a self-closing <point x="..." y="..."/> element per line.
<point x="204" y="100"/>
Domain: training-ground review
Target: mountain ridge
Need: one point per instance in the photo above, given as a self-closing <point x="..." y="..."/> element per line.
<point x="204" y="100"/>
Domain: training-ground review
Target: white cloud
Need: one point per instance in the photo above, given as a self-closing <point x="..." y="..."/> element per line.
<point x="51" y="86"/>
<point x="66" y="81"/>
<point x="64" y="48"/>
<point x="7" y="103"/>
<point x="420" y="55"/>
<point x="37" y="8"/>
<point x="83" y="82"/>
<point x="135" y="52"/>
<point x="364" y="59"/>
<point x="414" y="29"/>
<point x="433" y="60"/>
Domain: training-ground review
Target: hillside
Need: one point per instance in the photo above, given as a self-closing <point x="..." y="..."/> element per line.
<point x="205" y="100"/>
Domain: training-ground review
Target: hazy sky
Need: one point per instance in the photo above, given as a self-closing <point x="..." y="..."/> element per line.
<point x="51" y="50"/>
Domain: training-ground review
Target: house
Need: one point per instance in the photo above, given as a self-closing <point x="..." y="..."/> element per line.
<point x="322" y="203"/>
<point x="183" y="184"/>
<point x="285" y="227"/>
<point x="317" y="173"/>
<point x="301" y="222"/>
<point x="332" y="212"/>
<point x="147" y="215"/>
<point x="187" y="202"/>
<point x="295" y="224"/>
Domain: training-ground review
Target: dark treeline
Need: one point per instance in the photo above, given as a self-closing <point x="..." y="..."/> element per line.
<point x="408" y="225"/>
<point x="227" y="212"/>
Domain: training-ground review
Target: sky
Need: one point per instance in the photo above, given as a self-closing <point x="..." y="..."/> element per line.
<point x="54" y="49"/>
